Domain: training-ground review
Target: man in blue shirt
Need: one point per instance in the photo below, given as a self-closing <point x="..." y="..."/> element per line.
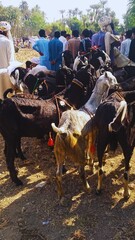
<point x="41" y="46"/>
<point x="55" y="52"/>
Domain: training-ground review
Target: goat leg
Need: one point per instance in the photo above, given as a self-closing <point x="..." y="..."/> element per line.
<point x="100" y="177"/>
<point x="101" y="146"/>
<point x="83" y="177"/>
<point x="127" y="151"/>
<point x="19" y="152"/>
<point x="59" y="182"/>
<point x="10" y="156"/>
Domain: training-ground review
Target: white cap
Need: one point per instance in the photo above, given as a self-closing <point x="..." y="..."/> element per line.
<point x="5" y="26"/>
<point x="35" y="60"/>
<point x="104" y="21"/>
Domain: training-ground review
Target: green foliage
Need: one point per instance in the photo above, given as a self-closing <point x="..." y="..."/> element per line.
<point x="27" y="22"/>
<point x="34" y="23"/>
<point x="74" y="24"/>
<point x="129" y="17"/>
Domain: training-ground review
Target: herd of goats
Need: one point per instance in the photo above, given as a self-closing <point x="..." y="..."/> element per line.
<point x="86" y="105"/>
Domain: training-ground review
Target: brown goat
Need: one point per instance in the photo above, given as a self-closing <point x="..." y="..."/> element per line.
<point x="75" y="130"/>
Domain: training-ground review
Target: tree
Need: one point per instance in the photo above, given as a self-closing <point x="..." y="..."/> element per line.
<point x="129" y="17"/>
<point x="24" y="8"/>
<point x="103" y="2"/>
<point x="75" y="24"/>
<point x="62" y="14"/>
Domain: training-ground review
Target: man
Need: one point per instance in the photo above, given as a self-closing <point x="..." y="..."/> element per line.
<point x="125" y="44"/>
<point x="85" y="43"/>
<point x="35" y="67"/>
<point x="94" y="39"/>
<point x="5" y="45"/>
<point x="107" y="36"/>
<point x="111" y="41"/>
<point x="55" y="52"/>
<point x="74" y="43"/>
<point x="63" y="39"/>
<point x="41" y="46"/>
<point x="7" y="58"/>
<point x="132" y="46"/>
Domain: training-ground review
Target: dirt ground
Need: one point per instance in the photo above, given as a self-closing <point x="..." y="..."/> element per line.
<point x="32" y="212"/>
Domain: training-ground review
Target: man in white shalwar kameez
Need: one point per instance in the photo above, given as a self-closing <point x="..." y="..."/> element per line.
<point x="7" y="57"/>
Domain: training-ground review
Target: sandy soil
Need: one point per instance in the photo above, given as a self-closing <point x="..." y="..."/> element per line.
<point x="32" y="212"/>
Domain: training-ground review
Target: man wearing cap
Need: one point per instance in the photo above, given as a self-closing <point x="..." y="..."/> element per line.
<point x="5" y="45"/>
<point x="41" y="46"/>
<point x="109" y="37"/>
<point x="35" y="67"/>
<point x="7" y="56"/>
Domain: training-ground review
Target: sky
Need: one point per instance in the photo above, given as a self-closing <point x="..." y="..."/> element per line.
<point x="52" y="8"/>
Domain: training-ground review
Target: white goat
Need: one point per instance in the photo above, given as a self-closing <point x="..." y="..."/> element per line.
<point x="74" y="133"/>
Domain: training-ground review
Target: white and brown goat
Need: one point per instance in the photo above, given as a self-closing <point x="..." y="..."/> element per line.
<point x="75" y="129"/>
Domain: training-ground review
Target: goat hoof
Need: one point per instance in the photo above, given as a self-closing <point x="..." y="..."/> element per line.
<point x="87" y="189"/>
<point x="64" y="202"/>
<point x="18" y="182"/>
<point x="98" y="192"/>
<point x="127" y="196"/>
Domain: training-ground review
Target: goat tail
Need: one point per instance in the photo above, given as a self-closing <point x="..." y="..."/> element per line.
<point x="56" y="129"/>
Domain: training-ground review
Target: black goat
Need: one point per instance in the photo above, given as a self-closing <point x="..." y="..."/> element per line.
<point x="24" y="117"/>
<point x="112" y="125"/>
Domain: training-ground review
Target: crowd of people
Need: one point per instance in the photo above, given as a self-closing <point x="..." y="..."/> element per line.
<point x="106" y="39"/>
<point x="50" y="49"/>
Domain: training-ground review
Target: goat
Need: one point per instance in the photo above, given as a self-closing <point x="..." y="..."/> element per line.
<point x="96" y="57"/>
<point x="111" y="122"/>
<point x="42" y="83"/>
<point x="25" y="117"/>
<point x="73" y="137"/>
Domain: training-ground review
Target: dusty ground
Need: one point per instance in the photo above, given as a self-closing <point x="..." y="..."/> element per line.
<point x="33" y="213"/>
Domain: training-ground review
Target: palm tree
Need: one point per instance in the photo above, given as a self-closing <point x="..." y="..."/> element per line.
<point x="131" y="8"/>
<point x="24" y="8"/>
<point x="80" y="14"/>
<point x="129" y="18"/>
<point x="69" y="13"/>
<point x="96" y="9"/>
<point x="103" y="2"/>
<point x="76" y="11"/>
<point x="62" y="14"/>
<point x="84" y="20"/>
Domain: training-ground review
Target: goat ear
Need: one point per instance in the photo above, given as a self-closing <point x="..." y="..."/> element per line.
<point x="17" y="75"/>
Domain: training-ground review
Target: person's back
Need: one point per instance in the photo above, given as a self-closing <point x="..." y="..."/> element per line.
<point x="101" y="40"/>
<point x="94" y="39"/>
<point x="132" y="47"/>
<point x="74" y="43"/>
<point x="55" y="51"/>
<point x="125" y="44"/>
<point x="63" y="39"/>
<point x="41" y="46"/>
<point x="85" y="43"/>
